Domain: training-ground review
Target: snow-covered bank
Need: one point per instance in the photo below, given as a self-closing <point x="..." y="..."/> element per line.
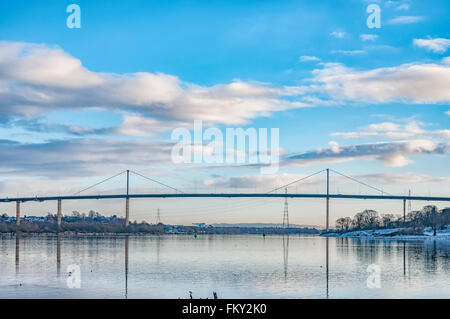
<point x="394" y="233"/>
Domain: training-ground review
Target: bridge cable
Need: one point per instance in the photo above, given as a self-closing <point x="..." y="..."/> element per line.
<point x="96" y="184"/>
<point x="355" y="180"/>
<point x="303" y="178"/>
<point x="155" y="181"/>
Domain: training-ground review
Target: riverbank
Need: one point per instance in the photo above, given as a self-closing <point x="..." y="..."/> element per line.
<point x="98" y="228"/>
<point x="394" y="233"/>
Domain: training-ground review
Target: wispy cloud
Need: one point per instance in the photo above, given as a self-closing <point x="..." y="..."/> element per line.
<point x="398" y="5"/>
<point x="338" y="34"/>
<point x="265" y="182"/>
<point x="437" y="45"/>
<point x="394" y="154"/>
<point x="395" y="131"/>
<point x="368" y="37"/>
<point x="307" y="58"/>
<point x="403" y="6"/>
<point x="269" y="182"/>
<point x="349" y="52"/>
<point x="405" y="20"/>
<point x="80" y="156"/>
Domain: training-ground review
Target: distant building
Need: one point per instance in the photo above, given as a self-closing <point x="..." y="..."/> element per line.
<point x="172" y="230"/>
<point x="27" y="218"/>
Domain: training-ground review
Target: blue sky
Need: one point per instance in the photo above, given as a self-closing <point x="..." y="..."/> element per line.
<point x="374" y="100"/>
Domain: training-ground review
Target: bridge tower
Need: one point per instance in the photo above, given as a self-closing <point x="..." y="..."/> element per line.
<point x="286" y="212"/>
<point x="328" y="200"/>
<point x="127" y="202"/>
<point x="409" y="202"/>
<point x="59" y="214"/>
<point x="17" y="213"/>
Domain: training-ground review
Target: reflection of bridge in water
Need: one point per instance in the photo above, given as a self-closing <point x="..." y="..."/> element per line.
<point x="179" y="194"/>
<point x="58" y="258"/>
<point x="285" y="239"/>
<point x="344" y="243"/>
<point x="286" y="258"/>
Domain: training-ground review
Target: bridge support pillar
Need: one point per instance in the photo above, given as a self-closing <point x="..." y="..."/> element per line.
<point x="328" y="200"/>
<point x="17" y="213"/>
<point x="59" y="213"/>
<point x="127" y="212"/>
<point x="404" y="212"/>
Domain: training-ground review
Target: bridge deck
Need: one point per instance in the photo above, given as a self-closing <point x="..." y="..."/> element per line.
<point x="223" y="195"/>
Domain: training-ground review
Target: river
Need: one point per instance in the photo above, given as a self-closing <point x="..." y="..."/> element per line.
<point x="234" y="266"/>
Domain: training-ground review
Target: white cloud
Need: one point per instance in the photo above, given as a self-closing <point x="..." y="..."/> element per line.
<point x="437" y="45"/>
<point x="80" y="157"/>
<point x="368" y="37"/>
<point x="135" y="125"/>
<point x="265" y="182"/>
<point x="35" y="79"/>
<point x="38" y="64"/>
<point x="408" y="83"/>
<point x="394" y="154"/>
<point x="269" y="182"/>
<point x="307" y="58"/>
<point x="338" y="34"/>
<point x="403" y="6"/>
<point x="398" y="5"/>
<point x="154" y="102"/>
<point x="349" y="52"/>
<point x="404" y="178"/>
<point x="334" y="147"/>
<point x="395" y="131"/>
<point x="405" y="20"/>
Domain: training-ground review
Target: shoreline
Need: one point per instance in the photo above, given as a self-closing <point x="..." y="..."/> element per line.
<point x="395" y="233"/>
<point x="70" y="234"/>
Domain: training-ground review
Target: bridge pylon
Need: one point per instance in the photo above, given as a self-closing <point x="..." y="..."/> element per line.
<point x="286" y="212"/>
<point x="59" y="216"/>
<point x="328" y="201"/>
<point x="127" y="201"/>
<point x="17" y="213"/>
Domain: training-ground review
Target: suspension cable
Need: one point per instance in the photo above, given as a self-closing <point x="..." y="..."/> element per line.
<point x="355" y="180"/>
<point x="96" y="184"/>
<point x="303" y="178"/>
<point x="155" y="181"/>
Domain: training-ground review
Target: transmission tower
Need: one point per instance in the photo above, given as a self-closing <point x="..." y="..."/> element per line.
<point x="158" y="217"/>
<point x="286" y="212"/>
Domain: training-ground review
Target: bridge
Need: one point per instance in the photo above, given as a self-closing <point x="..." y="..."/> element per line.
<point x="179" y="194"/>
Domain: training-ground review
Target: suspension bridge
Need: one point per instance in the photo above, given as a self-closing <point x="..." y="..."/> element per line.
<point x="176" y="193"/>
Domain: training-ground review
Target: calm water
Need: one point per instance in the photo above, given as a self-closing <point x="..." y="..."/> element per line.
<point x="233" y="266"/>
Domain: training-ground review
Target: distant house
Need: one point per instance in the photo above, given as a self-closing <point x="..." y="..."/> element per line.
<point x="27" y="218"/>
<point x="172" y="230"/>
<point x="34" y="219"/>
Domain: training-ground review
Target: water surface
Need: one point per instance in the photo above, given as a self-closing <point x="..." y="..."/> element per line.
<point x="246" y="266"/>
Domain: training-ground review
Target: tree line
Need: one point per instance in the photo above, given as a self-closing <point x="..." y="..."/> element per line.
<point x="428" y="216"/>
<point x="92" y="222"/>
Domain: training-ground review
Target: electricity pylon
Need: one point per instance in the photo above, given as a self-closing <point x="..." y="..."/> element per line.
<point x="158" y="217"/>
